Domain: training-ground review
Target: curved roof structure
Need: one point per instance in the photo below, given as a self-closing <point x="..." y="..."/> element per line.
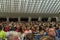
<point x="30" y="6"/>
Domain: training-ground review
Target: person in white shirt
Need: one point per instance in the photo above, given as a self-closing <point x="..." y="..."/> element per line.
<point x="27" y="31"/>
<point x="12" y="36"/>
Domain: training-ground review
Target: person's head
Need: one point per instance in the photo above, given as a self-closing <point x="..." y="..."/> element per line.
<point x="51" y="32"/>
<point x="20" y="30"/>
<point x="46" y="38"/>
<point x="16" y="36"/>
<point x="59" y="27"/>
<point x="17" y="26"/>
<point x="28" y="28"/>
<point x="41" y="32"/>
<point x="13" y="36"/>
<point x="47" y="30"/>
<point x="0" y="27"/>
<point x="9" y="37"/>
<point x="29" y="36"/>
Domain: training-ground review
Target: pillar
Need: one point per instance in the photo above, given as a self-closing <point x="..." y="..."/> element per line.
<point x="29" y="19"/>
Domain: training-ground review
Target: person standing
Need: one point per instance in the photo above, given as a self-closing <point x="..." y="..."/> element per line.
<point x="52" y="34"/>
<point x="2" y="34"/>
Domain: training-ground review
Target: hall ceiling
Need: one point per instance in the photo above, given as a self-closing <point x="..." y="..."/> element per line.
<point x="30" y="6"/>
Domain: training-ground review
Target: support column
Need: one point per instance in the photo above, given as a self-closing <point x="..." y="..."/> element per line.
<point x="7" y="19"/>
<point x="29" y="19"/>
<point x="49" y="19"/>
<point x="18" y="19"/>
<point x="57" y="19"/>
<point x="39" y="19"/>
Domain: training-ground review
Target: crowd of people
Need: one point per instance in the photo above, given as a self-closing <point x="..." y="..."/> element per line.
<point x="29" y="30"/>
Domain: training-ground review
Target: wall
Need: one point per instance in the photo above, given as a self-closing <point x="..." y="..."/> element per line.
<point x="31" y="15"/>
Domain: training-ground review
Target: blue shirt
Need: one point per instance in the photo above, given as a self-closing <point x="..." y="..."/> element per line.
<point x="56" y="38"/>
<point x="37" y="37"/>
<point x="58" y="33"/>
